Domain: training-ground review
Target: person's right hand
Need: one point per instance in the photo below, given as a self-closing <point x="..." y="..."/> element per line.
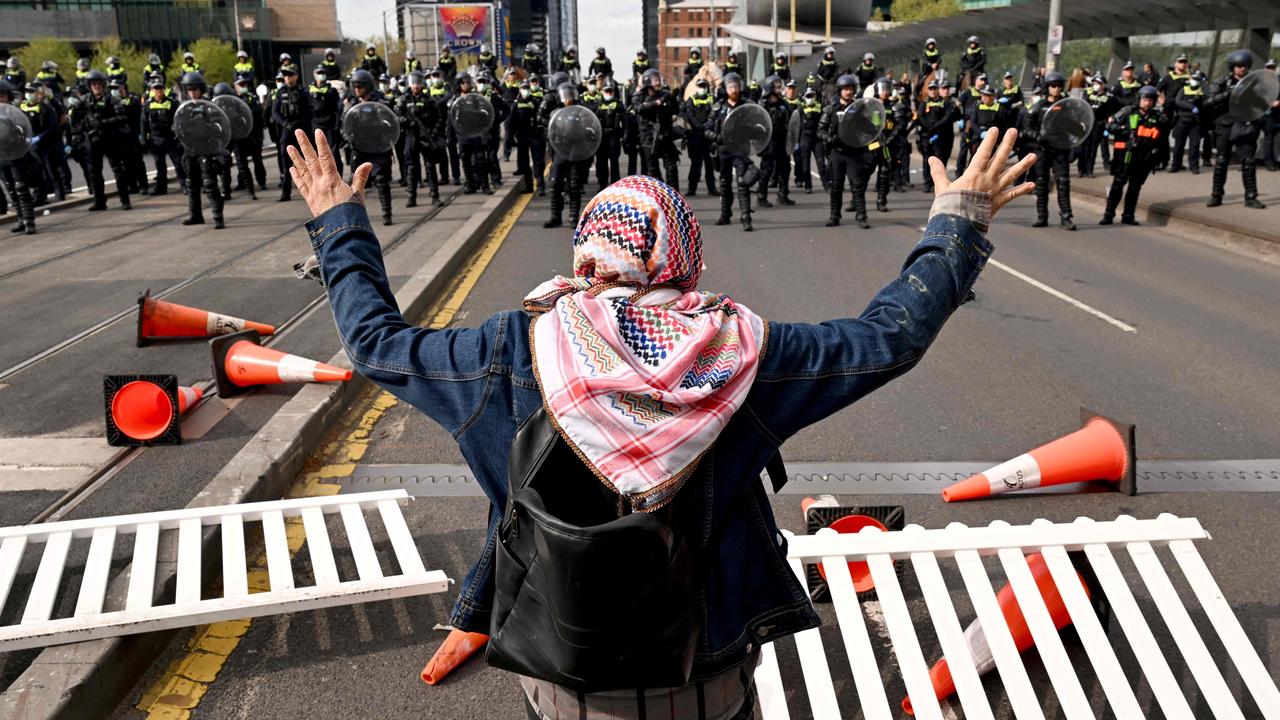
<point x="986" y="172"/>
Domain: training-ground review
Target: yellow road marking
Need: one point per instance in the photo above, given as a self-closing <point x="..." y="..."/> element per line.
<point x="179" y="689"/>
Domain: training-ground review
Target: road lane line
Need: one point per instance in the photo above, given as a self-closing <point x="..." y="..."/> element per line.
<point x="180" y="688"/>
<point x="1062" y="296"/>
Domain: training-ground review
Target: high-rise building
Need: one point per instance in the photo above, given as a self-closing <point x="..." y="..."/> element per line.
<point x="552" y="24"/>
<point x="687" y="24"/>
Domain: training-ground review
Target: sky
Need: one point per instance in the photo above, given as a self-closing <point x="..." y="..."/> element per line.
<point x="614" y="24"/>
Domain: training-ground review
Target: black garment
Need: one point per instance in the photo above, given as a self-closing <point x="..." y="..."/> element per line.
<point x="106" y="129"/>
<point x="1235" y="139"/>
<point x="973" y="63"/>
<point x="380" y="177"/>
<point x="1141" y="141"/>
<point x="775" y="159"/>
<point x="157" y="130"/>
<point x="655" y="111"/>
<point x="423" y="123"/>
<point x="18" y="177"/>
<point x="523" y="126"/>
<point x="534" y="64"/>
<point x="811" y="150"/>
<point x="376" y="66"/>
<point x="134" y="151"/>
<point x="1050" y="159"/>
<point x="1188" y="123"/>
<point x="600" y="66"/>
<point x="937" y="132"/>
<point x="203" y="172"/>
<point x="697" y="114"/>
<point x="1126" y="91"/>
<point x="867" y="74"/>
<point x="847" y="163"/>
<point x="1104" y="105"/>
<point x="291" y="111"/>
<point x="731" y="165"/>
<point x="613" y="119"/>
<point x="568" y="65"/>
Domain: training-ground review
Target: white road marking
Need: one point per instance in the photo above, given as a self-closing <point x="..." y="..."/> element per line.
<point x="1060" y="295"/>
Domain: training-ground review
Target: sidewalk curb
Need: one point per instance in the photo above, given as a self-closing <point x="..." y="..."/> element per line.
<point x="89" y="679"/>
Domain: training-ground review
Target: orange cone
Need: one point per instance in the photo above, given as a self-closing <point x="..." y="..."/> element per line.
<point x="455" y="650"/>
<point x="240" y="363"/>
<point x="144" y="410"/>
<point x="940" y="674"/>
<point x="852" y="523"/>
<point x="1102" y="450"/>
<point x="158" y="319"/>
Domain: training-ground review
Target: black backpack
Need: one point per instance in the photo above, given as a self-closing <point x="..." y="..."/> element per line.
<point x="588" y="595"/>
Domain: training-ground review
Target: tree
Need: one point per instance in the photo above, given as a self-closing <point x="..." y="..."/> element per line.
<point x="216" y="58"/>
<point x="38" y="50"/>
<point x="913" y="11"/>
<point x="132" y="59"/>
<point x="394" y="57"/>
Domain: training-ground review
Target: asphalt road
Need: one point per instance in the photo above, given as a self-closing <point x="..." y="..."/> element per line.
<point x="1173" y="335"/>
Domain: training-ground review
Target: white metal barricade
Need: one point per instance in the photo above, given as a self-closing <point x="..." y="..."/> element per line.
<point x="1010" y="544"/>
<point x="90" y="620"/>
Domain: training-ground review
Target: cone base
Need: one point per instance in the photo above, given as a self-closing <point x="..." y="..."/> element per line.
<point x="165" y="390"/>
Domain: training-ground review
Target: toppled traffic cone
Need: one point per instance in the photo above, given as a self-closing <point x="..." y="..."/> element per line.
<point x="162" y="320"/>
<point x="145" y="409"/>
<point x="1102" y="450"/>
<point x="240" y="363"/>
<point x="826" y="511"/>
<point x="940" y="674"/>
<point x="455" y="650"/>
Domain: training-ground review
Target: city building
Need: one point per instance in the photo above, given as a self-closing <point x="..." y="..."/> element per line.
<point x="687" y="24"/>
<point x="552" y="24"/>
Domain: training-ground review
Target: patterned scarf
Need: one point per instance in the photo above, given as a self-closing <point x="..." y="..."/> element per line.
<point x="639" y="370"/>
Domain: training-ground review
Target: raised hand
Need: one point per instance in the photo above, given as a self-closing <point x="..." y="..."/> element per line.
<point x="986" y="172"/>
<point x="315" y="174"/>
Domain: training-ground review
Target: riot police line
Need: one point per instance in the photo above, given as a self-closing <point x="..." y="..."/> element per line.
<point x="743" y="139"/>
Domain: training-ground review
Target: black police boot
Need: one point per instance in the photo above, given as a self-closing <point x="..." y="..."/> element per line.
<point x="784" y="192"/>
<point x="726" y="200"/>
<point x="195" y="216"/>
<point x="575" y="204"/>
<point x="26" y="211"/>
<point x="215" y="208"/>
<point x="860" y="210"/>
<point x="384" y="198"/>
<point x="762" y="191"/>
<point x="834" y="219"/>
<point x="433" y="184"/>
<point x="744" y="208"/>
<point x="1129" y="220"/>
<point x="882" y="201"/>
<point x="1219" y="183"/>
<point x="1064" y="202"/>
<point x="1250" y="174"/>
<point x="1067" y="223"/>
<point x="286" y="189"/>
<point x="1042" y="209"/>
<point x="693" y="187"/>
<point x="21" y="227"/>
<point x="557" y="210"/>
<point x="412" y="190"/>
<point x="1113" y="201"/>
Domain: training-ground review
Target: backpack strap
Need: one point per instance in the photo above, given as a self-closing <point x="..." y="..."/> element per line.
<point x="777" y="472"/>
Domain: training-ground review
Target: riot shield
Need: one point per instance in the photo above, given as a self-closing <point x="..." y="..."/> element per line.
<point x="861" y="123"/>
<point x="746" y="130"/>
<point x="1251" y="98"/>
<point x="794" y="127"/>
<point x="202" y="127"/>
<point x="371" y="127"/>
<point x="1066" y="124"/>
<point x="471" y="115"/>
<point x="15" y="133"/>
<point x="574" y="133"/>
<point x="238" y="113"/>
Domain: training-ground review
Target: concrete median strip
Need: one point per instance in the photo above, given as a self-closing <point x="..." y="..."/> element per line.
<point x="89" y="679"/>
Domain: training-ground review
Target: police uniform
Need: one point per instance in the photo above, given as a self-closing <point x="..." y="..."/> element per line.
<point x="1104" y="107"/>
<point x="373" y="64"/>
<point x="243" y="70"/>
<point x="332" y="70"/>
<point x="974" y="60"/>
<point x="134" y="164"/>
<point x="811" y="150"/>
<point x="236" y="151"/>
<point x="893" y="151"/>
<point x="600" y="64"/>
<point x="781" y="67"/>
<point x="828" y="70"/>
<point x="251" y="146"/>
<point x="153" y="70"/>
<point x="15" y="75"/>
<point x="732" y="165"/>
<point x="937" y="131"/>
<point x="423" y="122"/>
<point x="640" y="65"/>
<point x="612" y="113"/>
<point x="775" y="159"/>
<point x="1188" y="106"/>
<point x="500" y="112"/>
<point x="855" y="164"/>
<point x="567" y="176"/>
<point x="867" y="73"/>
<point x="447" y="64"/>
<point x="569" y="64"/>
<point x="1049" y="159"/>
<point x="522" y="127"/>
<point x="930" y="60"/>
<point x="290" y="111"/>
<point x="326" y="114"/>
<point x="44" y="121"/>
<point x="22" y="174"/>
<point x="1140" y="139"/>
<point x="533" y="63"/>
<point x="655" y="110"/>
<point x="488" y="60"/>
<point x="967" y="99"/>
<point x="692" y="67"/>
<point x="1234" y="138"/>
<point x="105" y="128"/>
<point x="203" y="172"/>
<point x="380" y="177"/>
<point x="116" y="73"/>
<point x="696" y="112"/>
<point x="474" y="155"/>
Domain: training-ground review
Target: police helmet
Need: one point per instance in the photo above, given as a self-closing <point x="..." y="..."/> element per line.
<point x="362" y="78"/>
<point x="153" y="59"/>
<point x="702" y="83"/>
<point x="49" y="66"/>
<point x="810" y="93"/>
<point x="933" y="84"/>
<point x="243" y="55"/>
<point x="695" y="52"/>
<point x="641" y="53"/>
<point x="188" y="56"/>
<point x="464" y="79"/>
<point x="648" y="78"/>
<point x="288" y="70"/>
<point x="982" y="77"/>
<point x="12" y="63"/>
<point x="733" y="57"/>
<point x="600" y="51"/>
<point x="732" y="77"/>
<point x="1054" y="77"/>
<point x="286" y="58"/>
<point x="411" y="54"/>
<point x="82" y="64"/>
<point x="6" y="89"/>
<point x="560" y="77"/>
<point x="531" y="49"/>
<point x="988" y="90"/>
<point x="1098" y="78"/>
<point x="1008" y="74"/>
<point x="484" y="49"/>
<point x="571" y="50"/>
<point x="930" y="41"/>
<point x="780" y="57"/>
<point x="416" y="78"/>
<point x="567" y="91"/>
<point x="222" y="89"/>
<point x="884" y="85"/>
<point x="95" y="75"/>
<point x="829" y="50"/>
<point x="1240" y="58"/>
<point x="973" y="40"/>
<point x="771" y="84"/>
<point x="319" y="73"/>
<point x="868" y="57"/>
<point x="1271" y="64"/>
<point x="1128" y="65"/>
<point x="1182" y="57"/>
<point x="280" y="75"/>
<point x="113" y="61"/>
<point x="845" y="81"/>
<point x="155" y="82"/>
<point x="370" y="47"/>
<point x="192" y="79"/>
<point x="1148" y="91"/>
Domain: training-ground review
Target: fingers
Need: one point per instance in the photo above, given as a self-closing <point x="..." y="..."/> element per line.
<point x="983" y="156"/>
<point x="1022" y="166"/>
<point x="359" y="178"/>
<point x="1000" y="199"/>
<point x="324" y="155"/>
<point x="304" y="146"/>
<point x="1002" y="155"/>
<point x="296" y="157"/>
<point x="939" y="173"/>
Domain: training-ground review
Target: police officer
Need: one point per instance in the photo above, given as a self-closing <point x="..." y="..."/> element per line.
<point x="843" y="161"/>
<point x="46" y="139"/>
<point x="568" y="176"/>
<point x="1173" y="80"/>
<point x="696" y="113"/>
<point x="290" y="111"/>
<point x="781" y="67"/>
<point x="82" y="76"/>
<point x="243" y="67"/>
<point x="731" y="164"/>
<point x="732" y="65"/>
<point x="105" y="129"/>
<point x="522" y="125"/>
<point x="810" y="150"/>
<point x="892" y="155"/>
<point x="974" y="60"/>
<point x="569" y="64"/>
<point x="692" y="67"/>
<point x="135" y="167"/>
<point x="14" y="74"/>
<point x="930" y="61"/>
<point x="484" y="86"/>
<point x="601" y="64"/>
<point x="828" y="69"/>
<point x="203" y="171"/>
<point x="326" y="110"/>
<point x="362" y="91"/>
<point x="1149" y="75"/>
<point x="1188" y="109"/>
<point x="251" y="146"/>
<point x="775" y="158"/>
<point x="411" y="63"/>
<point x="1049" y="158"/>
<point x="1271" y="128"/>
<point x="487" y="60"/>
<point x="655" y="108"/>
<point x="640" y="65"/>
<point x="1104" y="107"/>
<point x="423" y="122"/>
<point x="371" y="63"/>
<point x="867" y="73"/>
<point x="1233" y="137"/>
<point x="612" y="112"/>
<point x="116" y="73"/>
<point x="235" y="151"/>
<point x="51" y="78"/>
<point x="58" y="171"/>
<point x="21" y="174"/>
<point x="533" y="62"/>
<point x="1010" y="100"/>
<point x="967" y="99"/>
<point x="447" y="65"/>
<point x="1125" y="89"/>
<point x="189" y="64"/>
<point x="980" y="117"/>
<point x="448" y="162"/>
<point x="474" y="151"/>
<point x="937" y="118"/>
<point x="153" y="68"/>
<point x="1141" y="138"/>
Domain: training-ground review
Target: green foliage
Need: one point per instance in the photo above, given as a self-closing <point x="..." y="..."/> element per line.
<point x="38" y="50"/>
<point x="132" y="59"/>
<point x="216" y="59"/>
<point x="913" y="11"/>
<point x="393" y="55"/>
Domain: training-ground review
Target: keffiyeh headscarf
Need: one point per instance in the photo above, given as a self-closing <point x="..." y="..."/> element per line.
<point x="639" y="370"/>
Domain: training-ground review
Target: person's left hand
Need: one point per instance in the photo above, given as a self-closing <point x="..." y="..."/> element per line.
<point x="315" y="174"/>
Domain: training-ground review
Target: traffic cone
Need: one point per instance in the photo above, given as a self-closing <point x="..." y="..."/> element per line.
<point x="1101" y="450"/>
<point x="826" y="511"/>
<point x="160" y="320"/>
<point x="145" y="409"/>
<point x="455" y="650"/>
<point x="240" y="363"/>
<point x="940" y="674"/>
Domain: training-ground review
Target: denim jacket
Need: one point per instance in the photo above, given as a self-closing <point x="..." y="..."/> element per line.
<point x="478" y="383"/>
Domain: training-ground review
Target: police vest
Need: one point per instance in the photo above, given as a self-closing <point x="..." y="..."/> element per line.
<point x="933" y="104"/>
<point x="694" y="62"/>
<point x="700" y="101"/>
<point x="43" y="75"/>
<point x="486" y="58"/>
<point x="1193" y="92"/>
<point x="185" y="68"/>
<point x="437" y="91"/>
<point x="731" y="68"/>
<point x="523" y="104"/>
<point x="931" y="54"/>
<point x="1015" y="90"/>
<point x="988" y="108"/>
<point x="640" y="64"/>
<point x="537" y="93"/>
<point x="320" y="89"/>
<point x="81" y="74"/>
<point x="244" y="68"/>
<point x="590" y="97"/>
<point x="973" y="51"/>
<point x="152" y="70"/>
<point x="793" y="102"/>
<point x="810" y="109"/>
<point x="827" y="62"/>
<point x="32" y="110"/>
<point x="777" y="68"/>
<point x="1130" y="84"/>
<point x="569" y="62"/>
<point x="411" y="64"/>
<point x="610" y="106"/>
<point x="1098" y="99"/>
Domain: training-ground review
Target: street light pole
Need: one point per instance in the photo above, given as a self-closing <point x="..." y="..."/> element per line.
<point x="775" y="30"/>
<point x="1055" y="19"/>
<point x="235" y="10"/>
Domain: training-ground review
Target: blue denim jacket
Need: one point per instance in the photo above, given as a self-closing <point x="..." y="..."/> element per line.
<point x="478" y="384"/>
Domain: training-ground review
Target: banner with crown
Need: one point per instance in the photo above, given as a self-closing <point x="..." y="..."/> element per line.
<point x="465" y="27"/>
